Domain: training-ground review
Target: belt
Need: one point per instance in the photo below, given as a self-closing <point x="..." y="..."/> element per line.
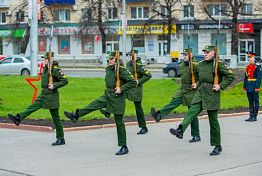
<point x="205" y="84"/>
<point x="186" y="85"/>
<point x="46" y="91"/>
<point x="110" y="90"/>
<point x="252" y="79"/>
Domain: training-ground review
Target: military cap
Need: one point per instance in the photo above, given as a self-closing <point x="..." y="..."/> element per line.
<point x="130" y="53"/>
<point x="186" y="50"/>
<point x="209" y="48"/>
<point x="250" y="53"/>
<point x="46" y="55"/>
<point x="112" y="54"/>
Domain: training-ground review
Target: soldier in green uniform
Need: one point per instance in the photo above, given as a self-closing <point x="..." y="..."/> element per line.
<point x="113" y="100"/>
<point x="184" y="96"/>
<point x="48" y="99"/>
<point x="141" y="75"/>
<point x="207" y="97"/>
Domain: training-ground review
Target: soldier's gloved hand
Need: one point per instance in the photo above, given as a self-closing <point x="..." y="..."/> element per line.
<point x="137" y="82"/>
<point x="50" y="86"/>
<point x="216" y="87"/>
<point x="194" y="86"/>
<point x="117" y="90"/>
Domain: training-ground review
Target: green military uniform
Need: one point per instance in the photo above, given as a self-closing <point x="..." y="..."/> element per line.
<point x="185" y="95"/>
<point x="136" y="94"/>
<point x="114" y="103"/>
<point x="206" y="98"/>
<point x="49" y="99"/>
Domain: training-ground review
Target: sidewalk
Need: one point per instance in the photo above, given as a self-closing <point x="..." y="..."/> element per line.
<point x="92" y="152"/>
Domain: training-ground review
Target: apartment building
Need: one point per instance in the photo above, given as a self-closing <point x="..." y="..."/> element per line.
<point x="193" y="25"/>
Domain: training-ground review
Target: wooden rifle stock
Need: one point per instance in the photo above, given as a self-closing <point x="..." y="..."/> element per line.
<point x="216" y="68"/>
<point x="50" y="65"/>
<point x="117" y="69"/>
<point x="193" y="80"/>
<point x="134" y="61"/>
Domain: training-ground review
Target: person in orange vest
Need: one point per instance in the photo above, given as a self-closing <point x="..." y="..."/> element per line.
<point x="251" y="85"/>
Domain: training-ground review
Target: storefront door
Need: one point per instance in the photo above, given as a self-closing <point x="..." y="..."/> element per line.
<point x="162" y="48"/>
<point x="244" y="46"/>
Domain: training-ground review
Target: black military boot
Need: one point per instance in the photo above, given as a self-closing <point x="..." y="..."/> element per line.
<point x="177" y="132"/>
<point x="195" y="139"/>
<point x="15" y="119"/>
<point x="59" y="142"/>
<point x="251" y="114"/>
<point x="143" y="130"/>
<point x="155" y="114"/>
<point x="123" y="150"/>
<point x="72" y="116"/>
<point x="216" y="151"/>
<point x="105" y="113"/>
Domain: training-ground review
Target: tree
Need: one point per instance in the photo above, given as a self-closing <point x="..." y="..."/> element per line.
<point x="163" y="13"/>
<point x="95" y="14"/>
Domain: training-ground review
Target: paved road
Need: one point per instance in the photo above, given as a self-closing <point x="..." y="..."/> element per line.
<point x="91" y="153"/>
<point x="100" y="73"/>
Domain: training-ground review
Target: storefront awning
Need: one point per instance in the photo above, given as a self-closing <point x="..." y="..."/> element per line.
<point x="148" y="29"/>
<point x="19" y="33"/>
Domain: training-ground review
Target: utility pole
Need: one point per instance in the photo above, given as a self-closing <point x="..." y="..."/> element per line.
<point x="34" y="37"/>
<point x="124" y="29"/>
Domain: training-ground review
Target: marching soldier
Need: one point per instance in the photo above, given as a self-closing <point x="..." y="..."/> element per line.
<point x="252" y="82"/>
<point x="185" y="95"/>
<point x="113" y="100"/>
<point x="213" y="77"/>
<point x="48" y="99"/>
<point x="141" y="75"/>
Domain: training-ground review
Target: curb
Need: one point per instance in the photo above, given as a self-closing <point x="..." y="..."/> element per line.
<point x="49" y="129"/>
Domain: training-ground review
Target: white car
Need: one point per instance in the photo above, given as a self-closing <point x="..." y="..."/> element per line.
<point x="15" y="65"/>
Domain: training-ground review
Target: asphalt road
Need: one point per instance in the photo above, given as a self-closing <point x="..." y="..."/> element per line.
<point x="92" y="152"/>
<point x="100" y="73"/>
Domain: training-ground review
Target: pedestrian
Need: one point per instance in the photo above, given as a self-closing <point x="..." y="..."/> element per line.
<point x="185" y="95"/>
<point x="48" y="99"/>
<point x="213" y="77"/>
<point x="251" y="85"/>
<point x="113" y="99"/>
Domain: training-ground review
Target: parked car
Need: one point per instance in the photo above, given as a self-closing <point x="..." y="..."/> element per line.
<point x="15" y="65"/>
<point x="172" y="69"/>
<point x="2" y="57"/>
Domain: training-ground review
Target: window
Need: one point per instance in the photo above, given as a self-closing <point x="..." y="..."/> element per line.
<point x="111" y="43"/>
<point x="17" y="45"/>
<point x="18" y="60"/>
<point x="86" y="14"/>
<point x="2" y="17"/>
<point x="1" y="46"/>
<point x="20" y="16"/>
<point x="216" y="9"/>
<point x="42" y="44"/>
<point x="7" y="60"/>
<point x="139" y="43"/>
<point x="63" y="44"/>
<point x="139" y="12"/>
<point x="188" y="11"/>
<point x="62" y="15"/>
<point x="191" y="42"/>
<point x="88" y="44"/>
<point x="247" y="9"/>
<point x="220" y="40"/>
<point x="112" y="13"/>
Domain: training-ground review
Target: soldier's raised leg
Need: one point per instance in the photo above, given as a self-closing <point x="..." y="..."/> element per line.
<point x="121" y="134"/>
<point x="140" y="117"/>
<point x="29" y="110"/>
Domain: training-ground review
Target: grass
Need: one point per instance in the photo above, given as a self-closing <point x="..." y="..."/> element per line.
<point x="16" y="95"/>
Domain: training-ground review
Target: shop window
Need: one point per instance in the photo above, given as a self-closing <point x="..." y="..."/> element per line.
<point x="139" y="12"/>
<point x="62" y="15"/>
<point x="88" y="44"/>
<point x="247" y="9"/>
<point x="17" y="45"/>
<point x="2" y="17"/>
<point x="139" y="43"/>
<point x="1" y="46"/>
<point x="63" y="44"/>
<point x="188" y="11"/>
<point x="42" y="44"/>
<point x="220" y="40"/>
<point x="111" y="43"/>
<point x="191" y="41"/>
<point x="216" y="9"/>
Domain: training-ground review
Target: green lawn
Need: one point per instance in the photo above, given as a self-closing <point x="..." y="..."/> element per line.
<point x="16" y="95"/>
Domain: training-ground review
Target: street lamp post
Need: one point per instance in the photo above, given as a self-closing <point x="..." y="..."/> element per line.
<point x="124" y="29"/>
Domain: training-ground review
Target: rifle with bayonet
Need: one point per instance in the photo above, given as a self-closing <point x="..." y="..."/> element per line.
<point x="51" y="59"/>
<point x="189" y="52"/>
<point x="216" y="67"/>
<point x="117" y="57"/>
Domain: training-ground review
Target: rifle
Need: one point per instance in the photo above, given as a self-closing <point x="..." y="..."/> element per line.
<point x="134" y="61"/>
<point x="51" y="59"/>
<point x="189" y="52"/>
<point x="117" y="56"/>
<point x="216" y="67"/>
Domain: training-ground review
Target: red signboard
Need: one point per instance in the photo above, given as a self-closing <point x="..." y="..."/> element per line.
<point x="245" y="27"/>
